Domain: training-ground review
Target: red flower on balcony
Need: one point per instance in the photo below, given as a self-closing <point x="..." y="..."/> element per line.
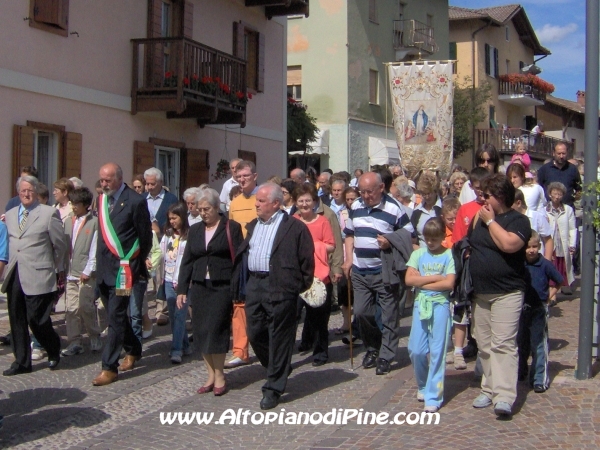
<point x="249" y="96"/>
<point x="168" y="75"/>
<point x="195" y="77"/>
<point x="186" y="81"/>
<point x="206" y="80"/>
<point x="528" y="79"/>
<point x="240" y="95"/>
<point x="217" y="80"/>
<point x="225" y="88"/>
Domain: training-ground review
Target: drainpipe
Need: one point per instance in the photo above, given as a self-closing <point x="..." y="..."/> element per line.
<point x="473" y="79"/>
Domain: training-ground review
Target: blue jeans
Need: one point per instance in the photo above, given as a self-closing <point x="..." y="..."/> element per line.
<point x="136" y="299"/>
<point x="430" y="336"/>
<point x="177" y="318"/>
<point x="533" y="339"/>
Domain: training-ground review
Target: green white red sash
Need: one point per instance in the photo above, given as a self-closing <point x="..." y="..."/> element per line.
<point x="124" y="281"/>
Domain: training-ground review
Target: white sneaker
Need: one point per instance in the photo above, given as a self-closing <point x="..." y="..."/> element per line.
<point x="95" y="344"/>
<point x="450" y="357"/>
<point x="146" y="333"/>
<point x="38" y="354"/>
<point x="236" y="361"/>
<point x="420" y="396"/>
<point x="72" y="350"/>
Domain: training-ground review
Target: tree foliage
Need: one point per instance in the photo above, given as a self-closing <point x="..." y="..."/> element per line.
<point x="469" y="102"/>
<point x="301" y="126"/>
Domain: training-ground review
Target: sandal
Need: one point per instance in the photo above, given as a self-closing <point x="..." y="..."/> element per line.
<point x="340" y="331"/>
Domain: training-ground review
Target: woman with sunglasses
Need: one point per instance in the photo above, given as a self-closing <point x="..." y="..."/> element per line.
<point x="487" y="157"/>
<point x="498" y="238"/>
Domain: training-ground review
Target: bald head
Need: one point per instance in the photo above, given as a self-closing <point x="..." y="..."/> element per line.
<point x="298" y="175"/>
<point x="371" y="188"/>
<point x="111" y="178"/>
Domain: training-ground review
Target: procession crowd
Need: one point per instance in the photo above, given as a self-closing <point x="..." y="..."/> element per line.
<point x="480" y="255"/>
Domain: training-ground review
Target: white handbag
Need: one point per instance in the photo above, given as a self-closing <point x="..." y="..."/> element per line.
<point x="316" y="294"/>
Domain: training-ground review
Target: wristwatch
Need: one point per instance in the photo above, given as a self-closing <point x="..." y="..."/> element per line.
<point x="487" y="224"/>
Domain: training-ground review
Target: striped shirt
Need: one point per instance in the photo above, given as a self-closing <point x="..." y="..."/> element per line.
<point x="365" y="224"/>
<point x="261" y="243"/>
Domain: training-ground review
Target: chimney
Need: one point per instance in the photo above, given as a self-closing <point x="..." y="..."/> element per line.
<point x="581" y="97"/>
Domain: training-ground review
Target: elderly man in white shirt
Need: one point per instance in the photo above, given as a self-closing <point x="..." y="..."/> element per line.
<point x="224" y="197"/>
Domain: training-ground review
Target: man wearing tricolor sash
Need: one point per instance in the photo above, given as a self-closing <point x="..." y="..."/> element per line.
<point x="124" y="243"/>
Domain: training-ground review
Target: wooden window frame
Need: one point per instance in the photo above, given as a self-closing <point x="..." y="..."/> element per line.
<point x="59" y="25"/>
<point x="240" y="30"/>
<point x="247" y="155"/>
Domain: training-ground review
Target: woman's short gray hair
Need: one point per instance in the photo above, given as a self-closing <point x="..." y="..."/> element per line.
<point x="191" y="192"/>
<point x="154" y="172"/>
<point x="33" y="181"/>
<point x="404" y="190"/>
<point x="210" y="196"/>
<point x="556" y="186"/>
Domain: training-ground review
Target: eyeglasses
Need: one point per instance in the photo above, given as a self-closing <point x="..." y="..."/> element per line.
<point x="27" y="191"/>
<point x="285" y="192"/>
<point x="367" y="192"/>
<point x="244" y="175"/>
<point x="487" y="196"/>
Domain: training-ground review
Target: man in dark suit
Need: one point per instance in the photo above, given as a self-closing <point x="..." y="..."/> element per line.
<point x="37" y="249"/>
<point x="279" y="251"/>
<point x="126" y="235"/>
<point x="158" y="200"/>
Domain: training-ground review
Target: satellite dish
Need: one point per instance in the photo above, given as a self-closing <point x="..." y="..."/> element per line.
<point x="532" y="69"/>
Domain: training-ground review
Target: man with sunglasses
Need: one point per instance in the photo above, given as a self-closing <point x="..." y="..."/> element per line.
<point x="373" y="215"/>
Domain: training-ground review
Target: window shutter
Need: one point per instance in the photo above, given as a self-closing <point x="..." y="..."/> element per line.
<point x="188" y="20"/>
<point x="487" y="59"/>
<point x="194" y="167"/>
<point x="143" y="156"/>
<point x="52" y="12"/>
<point x="260" y="85"/>
<point x="247" y="156"/>
<point x="496" y="63"/>
<point x="72" y="147"/>
<point x="238" y="40"/>
<point x="23" y="142"/>
<point x="452" y="51"/>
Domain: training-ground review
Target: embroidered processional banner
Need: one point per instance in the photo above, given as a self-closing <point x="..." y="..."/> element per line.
<point x="422" y="106"/>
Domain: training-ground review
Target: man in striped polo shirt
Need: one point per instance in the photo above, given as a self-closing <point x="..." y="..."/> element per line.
<point x="373" y="215"/>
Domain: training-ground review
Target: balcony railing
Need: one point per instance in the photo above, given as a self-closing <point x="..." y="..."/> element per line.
<point x="540" y="145"/>
<point x="412" y="34"/>
<point x="188" y="80"/>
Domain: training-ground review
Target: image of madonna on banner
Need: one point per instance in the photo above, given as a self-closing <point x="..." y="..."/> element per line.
<point x="422" y="105"/>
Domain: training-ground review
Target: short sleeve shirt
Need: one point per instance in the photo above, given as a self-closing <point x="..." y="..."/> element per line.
<point x="429" y="264"/>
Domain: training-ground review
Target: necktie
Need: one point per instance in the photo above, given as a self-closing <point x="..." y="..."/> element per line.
<point x="111" y="203"/>
<point x="23" y="220"/>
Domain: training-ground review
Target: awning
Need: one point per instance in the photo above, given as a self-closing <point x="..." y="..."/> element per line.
<point x="383" y="151"/>
<point x="319" y="147"/>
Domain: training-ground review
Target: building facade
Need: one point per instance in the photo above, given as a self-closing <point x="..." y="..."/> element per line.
<point x="141" y="83"/>
<point x="336" y="66"/>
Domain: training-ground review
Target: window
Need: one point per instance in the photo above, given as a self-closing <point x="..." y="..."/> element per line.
<point x="247" y="156"/>
<point x="166" y="30"/>
<point x="373" y="87"/>
<point x="491" y="61"/>
<point x="401" y="6"/>
<point x="507" y="32"/>
<point x="453" y="56"/>
<point x="507" y="66"/>
<point x="50" y="15"/>
<point x="249" y="44"/>
<point x="521" y="65"/>
<point x="492" y="113"/>
<point x="373" y="16"/>
<point x="430" y="25"/>
<point x="55" y="152"/>
<point x="294" y="82"/>
<point x="167" y="160"/>
<point x="45" y="156"/>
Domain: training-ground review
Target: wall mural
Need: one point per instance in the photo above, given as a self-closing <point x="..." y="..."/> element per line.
<point x="422" y="106"/>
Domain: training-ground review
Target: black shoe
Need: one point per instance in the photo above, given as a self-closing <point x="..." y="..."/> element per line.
<point x="5" y="340"/>
<point x="318" y="363"/>
<point x="538" y="389"/>
<point x="15" y="370"/>
<point x="303" y="347"/>
<point x="191" y="338"/>
<point x="53" y="363"/>
<point x="346" y="340"/>
<point x="269" y="401"/>
<point x="370" y="359"/>
<point x="470" y="351"/>
<point x="383" y="367"/>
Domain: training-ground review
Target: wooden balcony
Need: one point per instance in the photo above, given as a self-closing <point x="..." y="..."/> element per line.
<point x="187" y="79"/>
<point x="539" y="146"/>
<point x="520" y="94"/>
<point x="275" y="8"/>
<point x="412" y="37"/>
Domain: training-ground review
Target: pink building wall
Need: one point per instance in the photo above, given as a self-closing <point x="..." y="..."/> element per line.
<point x="84" y="83"/>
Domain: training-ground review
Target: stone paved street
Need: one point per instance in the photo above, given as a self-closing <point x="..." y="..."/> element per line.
<point x="63" y="410"/>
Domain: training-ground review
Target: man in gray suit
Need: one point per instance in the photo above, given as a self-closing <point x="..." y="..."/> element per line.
<point x="37" y="248"/>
